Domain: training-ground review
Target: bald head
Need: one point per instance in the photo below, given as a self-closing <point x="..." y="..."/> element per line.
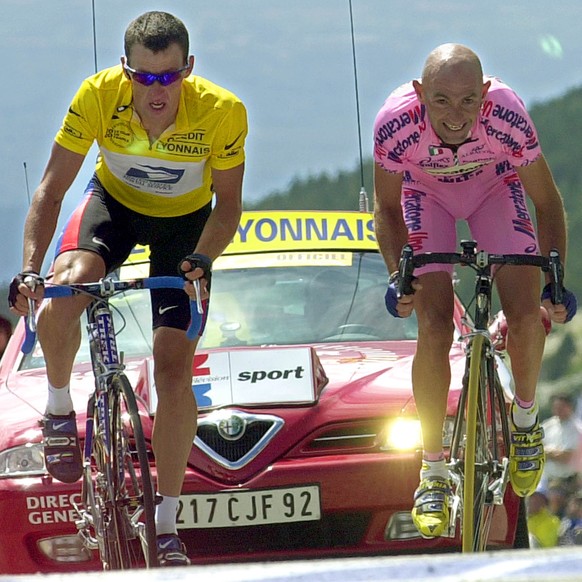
<point x="450" y="57"/>
<point x="452" y="89"/>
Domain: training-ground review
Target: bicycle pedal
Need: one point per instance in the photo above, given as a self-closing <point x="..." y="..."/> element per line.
<point x="454" y="505"/>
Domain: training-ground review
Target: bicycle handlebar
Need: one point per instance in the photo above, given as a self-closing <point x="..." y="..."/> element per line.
<point x="481" y="261"/>
<point x="107" y="288"/>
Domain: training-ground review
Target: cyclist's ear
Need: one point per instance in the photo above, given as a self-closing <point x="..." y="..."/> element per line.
<point x="123" y="60"/>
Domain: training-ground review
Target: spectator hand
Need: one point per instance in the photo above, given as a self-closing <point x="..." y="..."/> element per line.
<point x="564" y="312"/>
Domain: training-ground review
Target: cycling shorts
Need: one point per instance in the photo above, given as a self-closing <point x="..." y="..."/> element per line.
<point x="496" y="213"/>
<point x="104" y="226"/>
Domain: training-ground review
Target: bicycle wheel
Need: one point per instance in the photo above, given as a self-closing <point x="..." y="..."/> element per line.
<point x="486" y="447"/>
<point x="134" y="506"/>
<point x="98" y="491"/>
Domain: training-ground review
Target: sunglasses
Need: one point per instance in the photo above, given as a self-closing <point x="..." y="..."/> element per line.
<point x="148" y="79"/>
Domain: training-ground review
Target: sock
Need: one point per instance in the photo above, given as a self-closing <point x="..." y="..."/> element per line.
<point x="166" y="515"/>
<point x="434" y="468"/>
<point x="524" y="413"/>
<point x="59" y="400"/>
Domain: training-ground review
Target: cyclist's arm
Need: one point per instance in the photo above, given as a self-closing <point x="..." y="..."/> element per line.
<point x="225" y="216"/>
<point x="389" y="225"/>
<point x="41" y="221"/>
<point x="540" y="186"/>
<point x="223" y="221"/>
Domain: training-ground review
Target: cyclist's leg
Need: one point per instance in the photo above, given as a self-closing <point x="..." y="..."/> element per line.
<point x="431" y="374"/>
<point x="82" y="253"/>
<point x="176" y="413"/>
<point x="433" y="229"/>
<point x="86" y="249"/>
<point x="519" y="292"/>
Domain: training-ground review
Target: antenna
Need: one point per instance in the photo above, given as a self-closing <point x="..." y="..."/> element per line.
<point x="26" y="180"/>
<point x="363" y="199"/>
<point x="94" y="36"/>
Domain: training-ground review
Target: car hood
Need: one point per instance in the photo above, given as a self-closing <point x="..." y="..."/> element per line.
<point x="358" y="377"/>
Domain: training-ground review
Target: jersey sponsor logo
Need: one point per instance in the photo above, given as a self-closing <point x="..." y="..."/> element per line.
<point x="228" y="146"/>
<point x="513" y="118"/>
<point x="153" y="174"/>
<point x="183" y="148"/>
<point x="120" y="134"/>
<point x="412" y="208"/>
<point x="505" y="139"/>
<point x="522" y="222"/>
<point x="72" y="131"/>
<point x="190" y="143"/>
<point x="455" y="170"/>
<point x="388" y="129"/>
<point x="396" y="153"/>
<point x="99" y="242"/>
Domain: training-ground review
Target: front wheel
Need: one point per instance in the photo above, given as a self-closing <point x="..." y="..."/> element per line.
<point x="118" y="494"/>
<point x="134" y="491"/>
<point x="485" y="448"/>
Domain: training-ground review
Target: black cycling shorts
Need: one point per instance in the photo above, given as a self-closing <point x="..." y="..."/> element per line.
<point x="102" y="225"/>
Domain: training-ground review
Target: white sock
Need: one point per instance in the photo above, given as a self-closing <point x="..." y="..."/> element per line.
<point x="524" y="418"/>
<point x="434" y="469"/>
<point x="59" y="401"/>
<point x="166" y="515"/>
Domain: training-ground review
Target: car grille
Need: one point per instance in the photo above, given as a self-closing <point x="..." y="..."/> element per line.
<point x="333" y="531"/>
<point x="233" y="438"/>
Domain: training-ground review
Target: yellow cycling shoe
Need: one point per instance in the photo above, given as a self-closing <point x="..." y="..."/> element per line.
<point x="526" y="459"/>
<point x="430" y="513"/>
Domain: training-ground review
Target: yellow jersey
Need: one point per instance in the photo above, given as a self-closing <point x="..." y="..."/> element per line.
<point x="171" y="176"/>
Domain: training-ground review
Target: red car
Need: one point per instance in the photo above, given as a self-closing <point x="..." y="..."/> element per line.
<point x="308" y="443"/>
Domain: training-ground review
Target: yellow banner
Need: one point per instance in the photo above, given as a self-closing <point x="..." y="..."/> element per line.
<point x="276" y="231"/>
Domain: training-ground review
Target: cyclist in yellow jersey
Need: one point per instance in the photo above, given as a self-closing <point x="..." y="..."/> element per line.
<point x="169" y="174"/>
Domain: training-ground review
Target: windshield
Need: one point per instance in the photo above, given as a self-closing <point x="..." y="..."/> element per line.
<point x="275" y="299"/>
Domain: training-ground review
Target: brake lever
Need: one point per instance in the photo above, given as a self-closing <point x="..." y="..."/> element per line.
<point x="31" y="282"/>
<point x="405" y="270"/>
<point x="556" y="277"/>
<point x="199" y="307"/>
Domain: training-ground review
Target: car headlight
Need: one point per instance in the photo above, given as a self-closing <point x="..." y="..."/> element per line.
<point x="402" y="434"/>
<point x="22" y="461"/>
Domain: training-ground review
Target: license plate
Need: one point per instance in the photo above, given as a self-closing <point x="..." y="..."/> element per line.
<point x="247" y="508"/>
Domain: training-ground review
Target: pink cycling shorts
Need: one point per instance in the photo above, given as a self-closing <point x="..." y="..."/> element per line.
<point x="495" y="210"/>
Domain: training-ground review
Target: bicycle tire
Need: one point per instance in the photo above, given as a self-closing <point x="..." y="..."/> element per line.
<point x="98" y="484"/>
<point x="473" y="385"/>
<point x="134" y="513"/>
<point x="487" y="444"/>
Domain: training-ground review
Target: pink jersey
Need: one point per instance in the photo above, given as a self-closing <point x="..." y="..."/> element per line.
<point x="477" y="182"/>
<point x="406" y="142"/>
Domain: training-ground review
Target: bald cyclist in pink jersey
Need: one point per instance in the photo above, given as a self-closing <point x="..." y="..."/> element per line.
<point x="458" y="145"/>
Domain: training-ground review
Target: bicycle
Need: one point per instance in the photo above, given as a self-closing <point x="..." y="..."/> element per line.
<point x="478" y="460"/>
<point x="117" y="509"/>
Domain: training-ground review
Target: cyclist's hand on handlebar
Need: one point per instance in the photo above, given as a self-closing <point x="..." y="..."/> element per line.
<point x="563" y="312"/>
<point x="403" y="306"/>
<point x="24" y="287"/>
<point x="196" y="266"/>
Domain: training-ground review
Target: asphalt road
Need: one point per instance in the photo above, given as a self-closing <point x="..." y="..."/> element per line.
<point x="558" y="564"/>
